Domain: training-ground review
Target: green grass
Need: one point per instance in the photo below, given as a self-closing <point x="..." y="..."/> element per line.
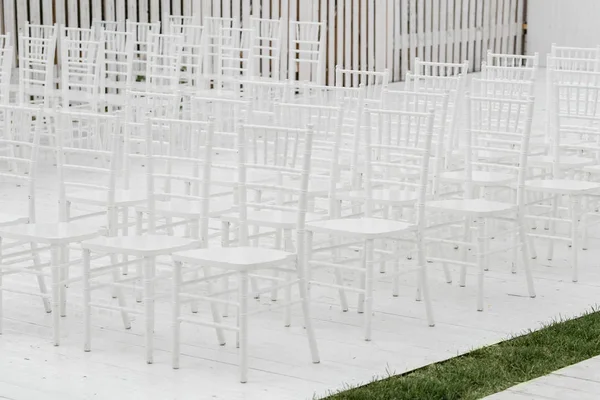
<point x="491" y="369"/>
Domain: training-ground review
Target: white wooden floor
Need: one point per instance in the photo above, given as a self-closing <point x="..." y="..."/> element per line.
<point x="577" y="382"/>
<point x="31" y="368"/>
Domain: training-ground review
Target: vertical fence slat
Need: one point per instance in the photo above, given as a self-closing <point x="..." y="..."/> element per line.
<point x="471" y="36"/>
<point x="457" y="31"/>
<point x="34" y="12"/>
<point x="143" y="11"/>
<point x="497" y="16"/>
<point x="443" y="29"/>
<point x="132" y="11"/>
<point x="340" y="36"/>
<point x="380" y="35"/>
<point x="331" y="34"/>
<point x="363" y="35"/>
<point x="389" y="34"/>
<point x="464" y="30"/>
<point x="347" y="37"/>
<point x="371" y="35"/>
<point x="505" y="26"/>
<point x="520" y="36"/>
<point x="420" y="18"/>
<point x="479" y="34"/>
<point x="355" y="38"/>
<point x="450" y="31"/>
<point x="154" y="11"/>
<point x="397" y="72"/>
<point x="435" y="31"/>
<point x="405" y="38"/>
<point x="84" y="14"/>
<point x="97" y="9"/>
<point x="21" y="12"/>
<point x="485" y="41"/>
<point x="512" y="28"/>
<point x="427" y="30"/>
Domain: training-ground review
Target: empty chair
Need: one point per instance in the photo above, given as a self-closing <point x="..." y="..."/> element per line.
<point x="141" y="42"/>
<point x="245" y="262"/>
<point x="306" y="49"/>
<point x="266" y="47"/>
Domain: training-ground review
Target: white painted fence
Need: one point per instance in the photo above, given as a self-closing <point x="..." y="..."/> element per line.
<point x="362" y="34"/>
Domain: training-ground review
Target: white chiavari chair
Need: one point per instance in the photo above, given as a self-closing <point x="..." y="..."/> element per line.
<point x="76" y="167"/>
<point x="246" y="263"/>
<point x="211" y="38"/>
<point x="494" y="125"/>
<point x="167" y="142"/>
<point x="37" y="50"/>
<point x="306" y="49"/>
<point x="116" y="75"/>
<point x="266" y="47"/>
<point x="397" y="148"/>
<point x="141" y="43"/>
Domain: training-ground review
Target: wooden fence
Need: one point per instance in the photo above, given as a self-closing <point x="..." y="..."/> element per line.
<point x="361" y="34"/>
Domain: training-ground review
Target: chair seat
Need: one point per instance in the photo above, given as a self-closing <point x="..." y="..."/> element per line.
<point x="13" y="219"/>
<point x="181" y="208"/>
<point x="384" y="196"/>
<point x="367" y="228"/>
<point x="475" y="207"/>
<point x="567" y="161"/>
<point x="235" y="257"/>
<point x="561" y="186"/>
<point x="271" y="219"/>
<point x="57" y="233"/>
<point x="479" y="177"/>
<point x="140" y="246"/>
<point x="122" y="197"/>
<point x="592" y="169"/>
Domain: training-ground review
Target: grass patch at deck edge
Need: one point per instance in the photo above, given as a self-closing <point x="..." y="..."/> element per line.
<point x="491" y="369"/>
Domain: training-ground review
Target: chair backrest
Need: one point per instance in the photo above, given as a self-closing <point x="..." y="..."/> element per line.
<point x="100" y="26"/>
<point x="374" y="82"/>
<point x="163" y="62"/>
<point x="590" y="53"/>
<point x="266" y="47"/>
<point x="19" y="149"/>
<point x="397" y="147"/>
<point x="179" y="167"/>
<point x="501" y="88"/>
<point x="424" y="102"/>
<point x="81" y="165"/>
<point x="512" y="60"/>
<point x="430" y="68"/>
<point x="497" y="138"/>
<point x="263" y="95"/>
<point x="282" y="153"/>
<point x="575" y="115"/>
<point x="454" y="86"/>
<point x="6" y="65"/>
<point x="141" y="42"/>
<point x="235" y="58"/>
<point x="192" y="55"/>
<point x="213" y="29"/>
<point x="37" y="49"/>
<point x="174" y="24"/>
<point x="117" y="67"/>
<point x="81" y="64"/>
<point x="508" y="73"/>
<point x="306" y="49"/>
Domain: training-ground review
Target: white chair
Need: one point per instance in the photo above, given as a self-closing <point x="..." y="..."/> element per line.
<point x="306" y="49"/>
<point x="141" y="42"/>
<point x="100" y="26"/>
<point x="75" y="170"/>
<point x="22" y="170"/>
<point x="37" y="50"/>
<point x="245" y="262"/>
<point x="266" y="47"/>
<point x="211" y="37"/>
<point x="116" y="75"/>
<point x="234" y="61"/>
<point x="163" y="63"/>
<point x="175" y="24"/>
<point x="512" y="60"/>
<point x="397" y="146"/>
<point x="81" y="63"/>
<point x="494" y="125"/>
<point x="375" y="83"/>
<point x="6" y="66"/>
<point x="431" y="68"/>
<point x="192" y="57"/>
<point x="576" y="116"/>
<point x="516" y="73"/>
<point x="146" y="248"/>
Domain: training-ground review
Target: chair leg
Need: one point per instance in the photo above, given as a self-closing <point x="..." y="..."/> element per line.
<point x="125" y="231"/>
<point x="287" y="291"/>
<point x="87" y="310"/>
<point x="225" y="281"/>
<point x="64" y="277"/>
<point x="339" y="277"/>
<point x="551" y="228"/>
<point x="243" y="325"/>
<point x="149" y="272"/>
<point x="280" y="236"/>
<point x="466" y="239"/>
<point x="214" y="308"/>
<point x="423" y="280"/>
<point x="305" y="299"/>
<point x="176" y="314"/>
<point x="575" y="209"/>
<point x="121" y="298"/>
<point x="362" y="281"/>
<point x="56" y="291"/>
<point x="481" y="247"/>
<point x="368" y="287"/>
<point x="526" y="261"/>
<point x="139" y="263"/>
<point x="40" y="279"/>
